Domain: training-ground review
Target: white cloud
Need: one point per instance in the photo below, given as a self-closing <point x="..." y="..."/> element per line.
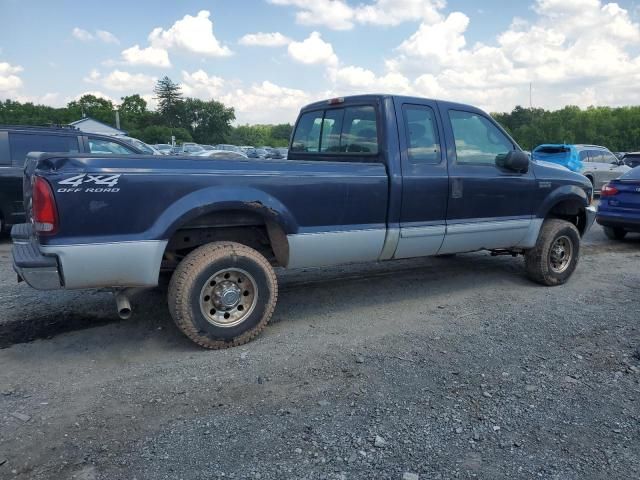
<point x="150" y="56"/>
<point x="395" y="12"/>
<point x="107" y="37"/>
<point x="313" y="50"/>
<point x="284" y="103"/>
<point x="339" y="15"/>
<point x="10" y="82"/>
<point x="578" y="51"/>
<point x="260" y="39"/>
<point x="102" y="35"/>
<point x="121" y="81"/>
<point x="193" y="34"/>
<point x="200" y="84"/>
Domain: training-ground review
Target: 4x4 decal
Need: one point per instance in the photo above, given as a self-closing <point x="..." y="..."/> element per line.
<point x="102" y="183"/>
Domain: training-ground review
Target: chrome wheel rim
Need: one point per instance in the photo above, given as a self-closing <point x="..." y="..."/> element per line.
<point x="228" y="297"/>
<point x="561" y="254"/>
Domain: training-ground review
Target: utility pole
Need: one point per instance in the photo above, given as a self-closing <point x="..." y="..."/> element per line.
<point x="531" y="95"/>
<point x="118" y="119"/>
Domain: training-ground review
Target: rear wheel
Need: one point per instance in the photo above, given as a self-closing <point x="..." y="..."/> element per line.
<point x="222" y="294"/>
<point x="615" y="233"/>
<point x="555" y="257"/>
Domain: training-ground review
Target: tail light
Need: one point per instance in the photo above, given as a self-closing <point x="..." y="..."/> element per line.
<point x="608" y="191"/>
<point x="45" y="213"/>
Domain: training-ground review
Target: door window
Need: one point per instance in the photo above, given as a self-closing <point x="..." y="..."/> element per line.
<point x="107" y="147"/>
<point x="478" y="141"/>
<point x="423" y="144"/>
<point x="23" y="143"/>
<point x="596" y="156"/>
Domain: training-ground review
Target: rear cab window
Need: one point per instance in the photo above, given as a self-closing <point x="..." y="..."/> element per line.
<point x="108" y="147"/>
<point x="347" y="131"/>
<point x="20" y="144"/>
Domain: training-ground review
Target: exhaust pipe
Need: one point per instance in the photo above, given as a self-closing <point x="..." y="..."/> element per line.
<point x="123" y="304"/>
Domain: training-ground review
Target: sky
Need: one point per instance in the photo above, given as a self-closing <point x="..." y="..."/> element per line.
<point x="267" y="58"/>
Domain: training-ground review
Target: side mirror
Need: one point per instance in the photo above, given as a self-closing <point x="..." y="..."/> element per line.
<point x="515" y="160"/>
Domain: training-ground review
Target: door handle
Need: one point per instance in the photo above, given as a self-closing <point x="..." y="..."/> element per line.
<point x="456" y="188"/>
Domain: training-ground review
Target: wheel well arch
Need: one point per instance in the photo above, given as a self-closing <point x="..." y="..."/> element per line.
<point x="248" y="227"/>
<point x="572" y="210"/>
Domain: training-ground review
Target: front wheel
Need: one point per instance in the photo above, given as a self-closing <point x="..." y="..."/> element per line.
<point x="614" y="233"/>
<point x="222" y="294"/>
<point x="555" y="257"/>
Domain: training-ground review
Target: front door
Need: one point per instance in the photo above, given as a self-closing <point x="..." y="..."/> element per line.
<point x="424" y="179"/>
<point x="489" y="207"/>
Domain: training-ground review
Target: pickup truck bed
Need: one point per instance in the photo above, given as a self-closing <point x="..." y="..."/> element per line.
<point x="369" y="178"/>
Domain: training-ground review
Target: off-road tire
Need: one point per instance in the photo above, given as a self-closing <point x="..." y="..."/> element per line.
<point x="614" y="233"/>
<point x="195" y="270"/>
<point x="537" y="260"/>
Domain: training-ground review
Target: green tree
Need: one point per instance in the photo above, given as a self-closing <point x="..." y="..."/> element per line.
<point x="209" y="122"/>
<point x="170" y="102"/>
<point x="161" y="134"/>
<point x="94" y="107"/>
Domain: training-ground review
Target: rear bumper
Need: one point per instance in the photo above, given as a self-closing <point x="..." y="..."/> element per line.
<point x="629" y="223"/>
<point x="39" y="271"/>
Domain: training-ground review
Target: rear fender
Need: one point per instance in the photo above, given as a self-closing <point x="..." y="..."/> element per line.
<point x="213" y="199"/>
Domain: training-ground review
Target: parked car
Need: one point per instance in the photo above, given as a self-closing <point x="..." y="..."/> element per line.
<point x="229" y="148"/>
<point x="279" y="153"/>
<point x="140" y="145"/>
<point x="257" y="153"/>
<point x="228" y="154"/>
<point x="187" y="149"/>
<point x="269" y="151"/>
<point x="596" y="163"/>
<point x="163" y="148"/>
<point x="631" y="159"/>
<point x="18" y="140"/>
<point x="397" y="177"/>
<point x="619" y="207"/>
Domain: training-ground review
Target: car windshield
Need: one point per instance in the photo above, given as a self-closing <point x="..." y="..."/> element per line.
<point x="140" y="145"/>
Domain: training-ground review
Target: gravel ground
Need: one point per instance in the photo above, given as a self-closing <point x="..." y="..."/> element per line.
<point x="432" y="369"/>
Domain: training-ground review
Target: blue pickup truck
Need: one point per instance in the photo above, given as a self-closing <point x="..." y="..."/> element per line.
<point x="368" y="178"/>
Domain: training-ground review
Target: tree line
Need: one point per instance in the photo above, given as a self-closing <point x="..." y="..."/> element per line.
<point x="210" y="121"/>
<point x="187" y="119"/>
<point x="618" y="129"/>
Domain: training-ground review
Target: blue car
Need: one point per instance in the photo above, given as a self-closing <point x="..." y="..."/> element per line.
<point x="596" y="163"/>
<point x="619" y="209"/>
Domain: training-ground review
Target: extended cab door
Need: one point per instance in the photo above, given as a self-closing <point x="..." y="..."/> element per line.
<point x="424" y="179"/>
<point x="489" y="207"/>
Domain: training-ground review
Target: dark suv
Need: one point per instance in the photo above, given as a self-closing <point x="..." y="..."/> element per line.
<point x="18" y="140"/>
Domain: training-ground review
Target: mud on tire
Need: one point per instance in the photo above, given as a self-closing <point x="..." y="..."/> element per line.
<point x="555" y="256"/>
<point x="222" y="294"/>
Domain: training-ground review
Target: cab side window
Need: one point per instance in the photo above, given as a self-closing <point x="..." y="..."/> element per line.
<point x="478" y="141"/>
<point x="423" y="143"/>
<point x="106" y="147"/>
<point x="22" y="143"/>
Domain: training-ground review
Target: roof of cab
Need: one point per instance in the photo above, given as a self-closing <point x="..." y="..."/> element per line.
<point x="375" y="97"/>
